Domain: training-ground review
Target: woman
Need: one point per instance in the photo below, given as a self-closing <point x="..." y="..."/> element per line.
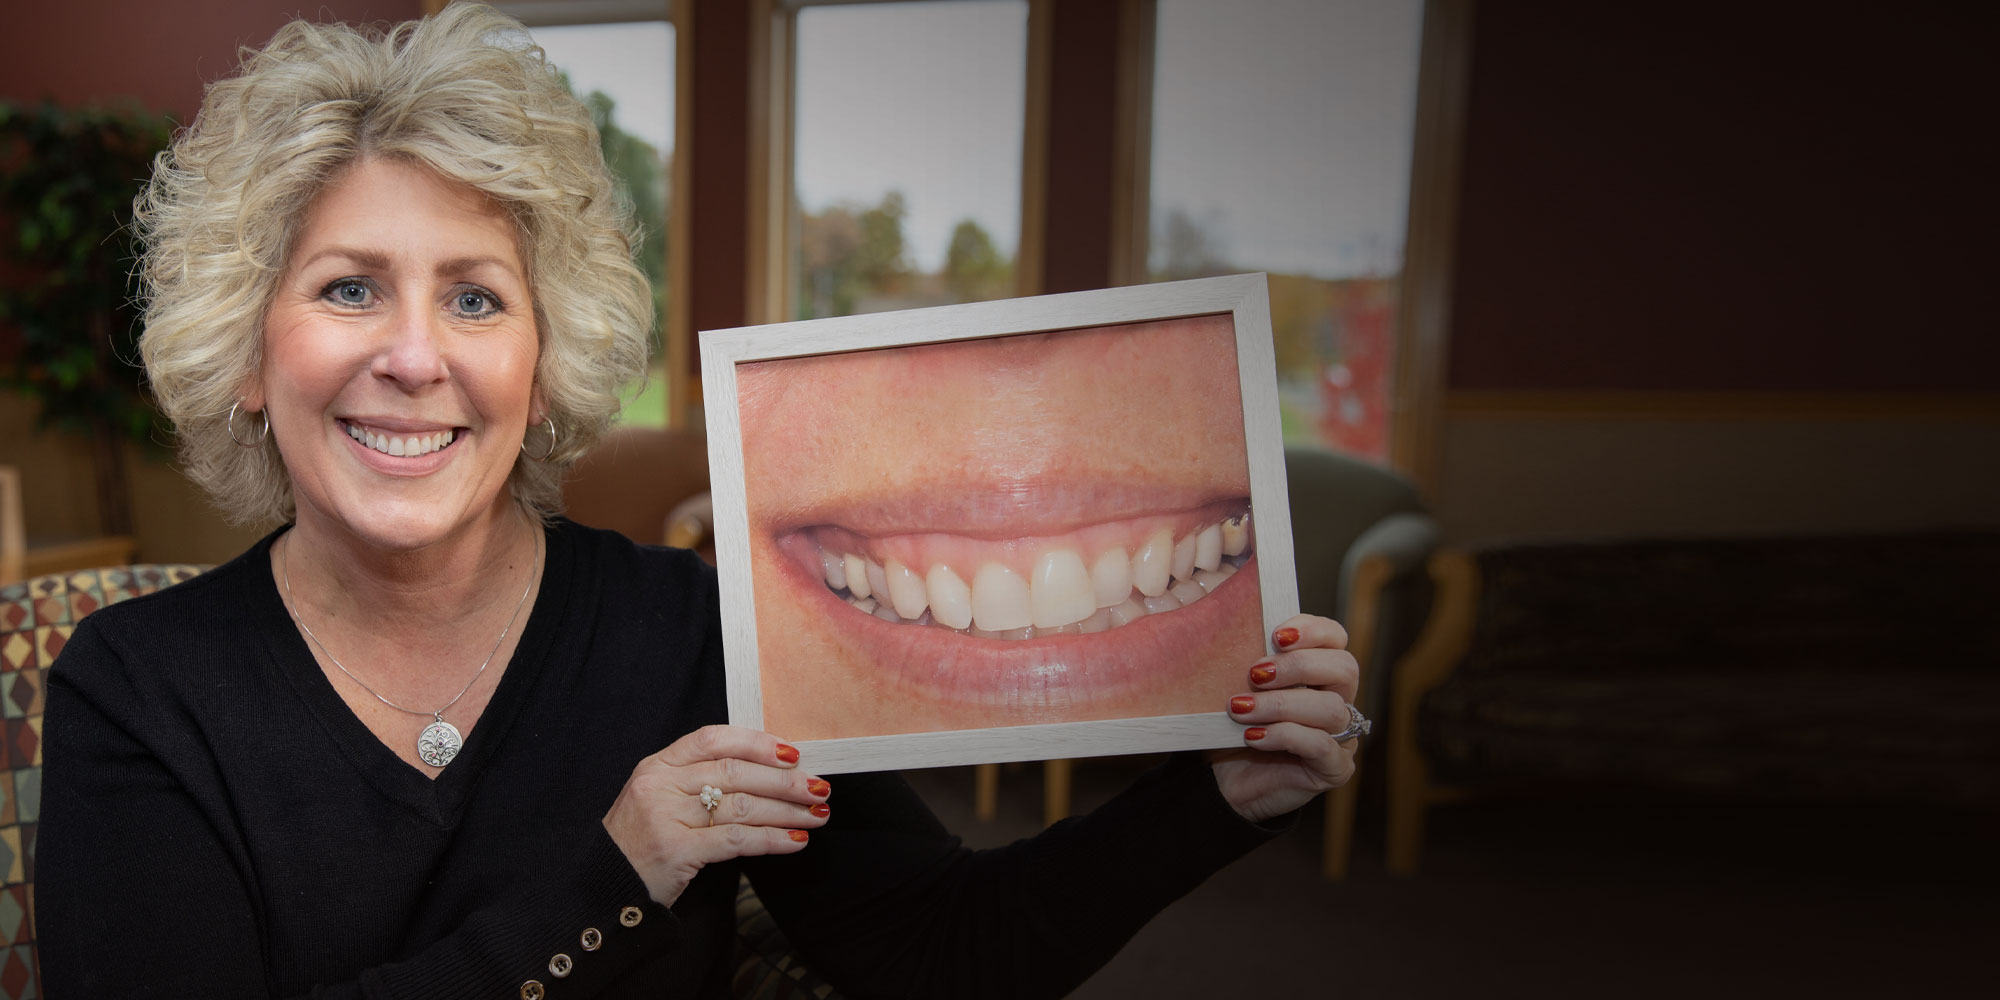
<point x="426" y="740"/>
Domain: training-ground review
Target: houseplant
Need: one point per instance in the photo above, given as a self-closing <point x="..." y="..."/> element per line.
<point x="68" y="311"/>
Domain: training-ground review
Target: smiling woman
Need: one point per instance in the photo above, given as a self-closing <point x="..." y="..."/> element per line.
<point x="428" y="738"/>
<point x="399" y="357"/>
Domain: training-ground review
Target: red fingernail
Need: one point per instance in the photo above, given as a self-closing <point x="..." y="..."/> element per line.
<point x="788" y="754"/>
<point x="1285" y="636"/>
<point x="798" y="836"/>
<point x="821" y="809"/>
<point x="819" y="787"/>
<point x="1264" y="673"/>
<point x="1254" y="733"/>
<point x="1242" y="704"/>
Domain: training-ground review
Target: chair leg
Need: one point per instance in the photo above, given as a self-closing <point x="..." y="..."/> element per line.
<point x="986" y="792"/>
<point x="1339" y="844"/>
<point x="1055" y="791"/>
<point x="1407" y="801"/>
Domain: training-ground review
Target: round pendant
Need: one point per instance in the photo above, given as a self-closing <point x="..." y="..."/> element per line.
<point x="439" y="743"/>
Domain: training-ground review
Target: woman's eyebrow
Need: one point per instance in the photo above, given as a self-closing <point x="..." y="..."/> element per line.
<point x="374" y="260"/>
<point x="461" y="264"/>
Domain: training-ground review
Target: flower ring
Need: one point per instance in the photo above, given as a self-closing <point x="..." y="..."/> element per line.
<point x="711" y="797"/>
<point x="1357" y="725"/>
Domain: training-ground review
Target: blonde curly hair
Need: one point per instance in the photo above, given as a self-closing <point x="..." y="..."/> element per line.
<point x="464" y="93"/>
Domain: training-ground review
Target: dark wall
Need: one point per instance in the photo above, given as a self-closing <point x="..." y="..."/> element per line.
<point x="1729" y="196"/>
<point x="92" y="51"/>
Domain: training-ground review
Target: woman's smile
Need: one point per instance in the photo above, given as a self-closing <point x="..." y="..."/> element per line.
<point x="1056" y="530"/>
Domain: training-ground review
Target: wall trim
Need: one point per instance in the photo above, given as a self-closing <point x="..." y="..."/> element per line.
<point x="1715" y="405"/>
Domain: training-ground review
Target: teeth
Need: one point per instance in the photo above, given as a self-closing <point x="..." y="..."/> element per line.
<point x="1059" y="595"/>
<point x="1183" y="566"/>
<point x="999" y="599"/>
<point x="1111" y="578"/>
<point x="1062" y="593"/>
<point x="1236" y="535"/>
<point x="1150" y="565"/>
<point x="951" y="599"/>
<point x="878" y="581"/>
<point x="906" y="590"/>
<point x="402" y="447"/>
<point x="1208" y="548"/>
<point x="857" y="576"/>
<point x="1125" y="614"/>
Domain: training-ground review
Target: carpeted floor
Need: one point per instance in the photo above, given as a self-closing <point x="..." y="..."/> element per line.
<point x="1561" y="897"/>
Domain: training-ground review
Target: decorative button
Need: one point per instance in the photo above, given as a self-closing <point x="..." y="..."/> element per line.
<point x="559" y="966"/>
<point x="531" y="990"/>
<point x="630" y="916"/>
<point x="592" y="939"/>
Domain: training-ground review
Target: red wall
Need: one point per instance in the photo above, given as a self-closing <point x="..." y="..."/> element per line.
<point x="1729" y="196"/>
<point x="162" y="53"/>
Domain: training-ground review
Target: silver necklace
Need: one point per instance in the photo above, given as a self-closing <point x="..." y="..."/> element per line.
<point x="440" y="741"/>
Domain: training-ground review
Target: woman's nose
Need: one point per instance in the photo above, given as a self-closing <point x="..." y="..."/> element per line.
<point x="412" y="350"/>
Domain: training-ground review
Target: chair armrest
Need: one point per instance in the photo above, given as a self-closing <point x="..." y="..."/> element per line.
<point x="1446" y="636"/>
<point x="1393" y="549"/>
<point x="691" y="525"/>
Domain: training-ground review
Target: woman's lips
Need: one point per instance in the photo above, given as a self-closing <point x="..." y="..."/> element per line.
<point x="1042" y="582"/>
<point x="1043" y="656"/>
<point x="402" y="451"/>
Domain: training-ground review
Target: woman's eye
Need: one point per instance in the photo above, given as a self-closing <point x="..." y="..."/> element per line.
<point x="349" y="293"/>
<point x="473" y="302"/>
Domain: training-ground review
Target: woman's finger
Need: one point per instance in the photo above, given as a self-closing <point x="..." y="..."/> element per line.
<point x="738" y="808"/>
<point x="1331" y="669"/>
<point x="1322" y="710"/>
<point x="727" y="842"/>
<point x="729" y="742"/>
<point x="733" y="774"/>
<point x="1333" y="762"/>
<point x="1308" y="632"/>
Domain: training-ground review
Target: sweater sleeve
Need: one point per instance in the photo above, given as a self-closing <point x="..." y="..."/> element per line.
<point x="885" y="903"/>
<point x="144" y="890"/>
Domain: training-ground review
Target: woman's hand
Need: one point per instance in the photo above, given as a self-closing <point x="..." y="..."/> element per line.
<point x="766" y="806"/>
<point x="1298" y="700"/>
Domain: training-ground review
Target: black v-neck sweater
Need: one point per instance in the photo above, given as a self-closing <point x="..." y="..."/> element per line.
<point x="217" y="823"/>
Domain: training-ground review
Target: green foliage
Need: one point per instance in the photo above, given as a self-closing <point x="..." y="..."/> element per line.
<point x="68" y="311"/>
<point x="848" y="251"/>
<point x="642" y="176"/>
<point x="974" y="271"/>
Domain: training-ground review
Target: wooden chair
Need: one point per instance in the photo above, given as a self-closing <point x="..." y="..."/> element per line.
<point x="13" y="530"/>
<point x="648" y="484"/>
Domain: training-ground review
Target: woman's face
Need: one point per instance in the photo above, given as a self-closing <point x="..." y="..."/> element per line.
<point x="1046" y="528"/>
<point x="399" y="357"/>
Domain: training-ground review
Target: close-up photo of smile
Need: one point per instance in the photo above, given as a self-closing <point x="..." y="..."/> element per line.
<point x="1067" y="536"/>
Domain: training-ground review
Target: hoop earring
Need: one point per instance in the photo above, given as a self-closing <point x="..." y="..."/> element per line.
<point x="544" y="456"/>
<point x="233" y="436"/>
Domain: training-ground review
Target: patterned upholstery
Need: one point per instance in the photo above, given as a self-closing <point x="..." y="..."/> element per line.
<point x="766" y="968"/>
<point x="1775" y="668"/>
<point x="37" y="617"/>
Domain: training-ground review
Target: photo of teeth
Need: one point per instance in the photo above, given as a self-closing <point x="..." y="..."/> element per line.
<point x="1060" y="595"/>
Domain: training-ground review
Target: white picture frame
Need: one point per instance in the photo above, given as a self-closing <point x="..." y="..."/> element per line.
<point x="1243" y="299"/>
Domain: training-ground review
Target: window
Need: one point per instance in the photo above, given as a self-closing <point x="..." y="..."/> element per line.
<point x="1281" y="142"/>
<point x="624" y="70"/>
<point x="906" y="169"/>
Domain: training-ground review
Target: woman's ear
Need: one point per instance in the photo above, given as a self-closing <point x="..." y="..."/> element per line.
<point x="251" y="399"/>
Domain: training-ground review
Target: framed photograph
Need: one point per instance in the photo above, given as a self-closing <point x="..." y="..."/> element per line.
<point x="1035" y="528"/>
